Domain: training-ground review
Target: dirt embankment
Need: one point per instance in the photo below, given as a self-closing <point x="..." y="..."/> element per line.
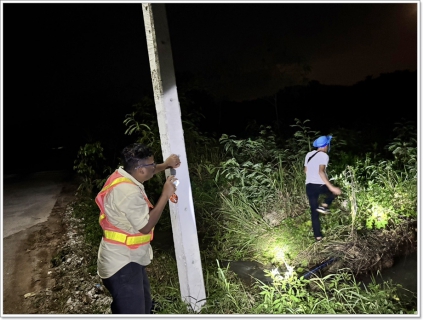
<point x="28" y="253"/>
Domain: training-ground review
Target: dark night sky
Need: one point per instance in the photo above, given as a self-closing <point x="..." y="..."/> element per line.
<point x="343" y="42"/>
<point x="65" y="64"/>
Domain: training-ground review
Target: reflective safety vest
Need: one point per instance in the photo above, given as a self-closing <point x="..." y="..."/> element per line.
<point x="111" y="233"/>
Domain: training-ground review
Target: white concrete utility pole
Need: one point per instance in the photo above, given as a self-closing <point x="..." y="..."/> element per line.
<point x="172" y="141"/>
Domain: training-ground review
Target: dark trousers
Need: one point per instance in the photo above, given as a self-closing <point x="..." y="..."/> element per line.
<point x="313" y="192"/>
<point x="130" y="290"/>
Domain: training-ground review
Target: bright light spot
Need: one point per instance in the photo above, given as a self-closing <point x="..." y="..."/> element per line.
<point x="279" y="254"/>
<point x="275" y="271"/>
<point x="379" y="212"/>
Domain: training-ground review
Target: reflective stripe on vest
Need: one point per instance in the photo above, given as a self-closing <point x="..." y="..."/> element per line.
<point x="123" y="237"/>
<point x="111" y="233"/>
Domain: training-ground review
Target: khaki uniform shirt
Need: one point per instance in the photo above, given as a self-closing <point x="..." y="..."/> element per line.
<point x="126" y="208"/>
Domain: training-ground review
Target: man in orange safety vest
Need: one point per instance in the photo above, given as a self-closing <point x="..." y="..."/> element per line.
<point x="128" y="218"/>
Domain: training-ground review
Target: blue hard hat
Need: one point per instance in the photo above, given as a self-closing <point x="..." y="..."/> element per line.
<point x="322" y="142"/>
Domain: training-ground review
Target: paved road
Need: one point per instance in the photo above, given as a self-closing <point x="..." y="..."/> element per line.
<point x="32" y="207"/>
<point x="28" y="199"/>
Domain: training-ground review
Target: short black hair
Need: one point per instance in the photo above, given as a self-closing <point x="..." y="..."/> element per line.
<point x="132" y="154"/>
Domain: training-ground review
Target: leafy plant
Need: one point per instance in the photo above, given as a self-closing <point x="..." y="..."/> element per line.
<point x="251" y="168"/>
<point x="404" y="146"/>
<point x="302" y="140"/>
<point x="142" y="123"/>
<point x="381" y="195"/>
<point x="337" y="293"/>
<point x="91" y="167"/>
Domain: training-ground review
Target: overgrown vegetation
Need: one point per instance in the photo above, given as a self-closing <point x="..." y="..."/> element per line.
<point x="250" y="204"/>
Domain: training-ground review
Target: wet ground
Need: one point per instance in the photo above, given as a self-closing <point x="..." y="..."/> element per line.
<point x="248" y="271"/>
<point x="403" y="272"/>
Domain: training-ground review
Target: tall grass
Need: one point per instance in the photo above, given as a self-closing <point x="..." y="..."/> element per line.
<point x="290" y="187"/>
<point x="238" y="227"/>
